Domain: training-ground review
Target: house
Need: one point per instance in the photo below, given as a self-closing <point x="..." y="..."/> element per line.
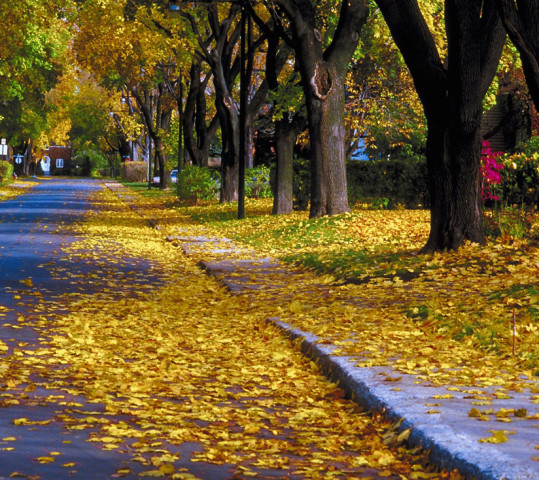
<point x="58" y="159"/>
<point x="508" y="122"/>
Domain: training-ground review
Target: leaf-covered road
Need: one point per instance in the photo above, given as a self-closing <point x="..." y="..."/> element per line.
<point x="121" y="358"/>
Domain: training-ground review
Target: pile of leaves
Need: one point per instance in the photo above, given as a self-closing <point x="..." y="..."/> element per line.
<point x="465" y="320"/>
<point x="14" y="189"/>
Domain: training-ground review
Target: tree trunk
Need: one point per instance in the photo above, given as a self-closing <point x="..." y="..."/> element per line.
<point x="521" y="21"/>
<point x="224" y="73"/>
<point x="197" y="133"/>
<point x="146" y="107"/>
<point x="322" y="75"/>
<point x="230" y="128"/>
<point x="452" y="99"/>
<point x="475" y="42"/>
<point x="283" y="195"/>
<point x="27" y="159"/>
<point x="325" y="108"/>
<point x="286" y="129"/>
<point x="455" y="190"/>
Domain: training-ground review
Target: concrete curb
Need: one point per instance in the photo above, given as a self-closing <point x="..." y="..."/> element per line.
<point x="451" y="443"/>
<point x="448" y="433"/>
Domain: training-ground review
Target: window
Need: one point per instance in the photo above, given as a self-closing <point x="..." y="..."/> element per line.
<point x="59" y="163"/>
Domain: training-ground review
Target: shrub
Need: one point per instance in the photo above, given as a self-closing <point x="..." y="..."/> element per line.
<point x="490" y="171"/>
<point x="520" y="175"/>
<point x="511" y="183"/>
<point x="387" y="183"/>
<point x="257" y="182"/>
<point x="89" y="163"/>
<point x="510" y="222"/>
<point x="196" y="183"/>
<point x="134" y="171"/>
<point x="6" y="171"/>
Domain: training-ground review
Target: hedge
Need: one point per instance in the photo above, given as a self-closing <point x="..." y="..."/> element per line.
<point x="134" y="171"/>
<point x="6" y="171"/>
<point x="388" y="183"/>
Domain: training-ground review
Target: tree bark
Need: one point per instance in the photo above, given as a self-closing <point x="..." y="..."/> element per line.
<point x="230" y="128"/>
<point x="197" y="133"/>
<point x="154" y="126"/>
<point x="521" y="21"/>
<point x="283" y="195"/>
<point x="322" y="75"/>
<point x="452" y="100"/>
<point x="287" y="129"/>
<point x="219" y="57"/>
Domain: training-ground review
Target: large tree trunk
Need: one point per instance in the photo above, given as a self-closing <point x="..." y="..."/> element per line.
<point x="455" y="189"/>
<point x="521" y="20"/>
<point x="452" y="99"/>
<point x="475" y="42"/>
<point x="325" y="109"/>
<point x="323" y="74"/>
<point x="283" y="195"/>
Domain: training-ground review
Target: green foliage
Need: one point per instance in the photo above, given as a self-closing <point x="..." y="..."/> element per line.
<point x="511" y="222"/>
<point x="419" y="312"/>
<point x="257" y="182"/>
<point x="389" y="183"/>
<point x="170" y="141"/>
<point x="196" y="183"/>
<point x="288" y="98"/>
<point x="6" y="171"/>
<point x="520" y="175"/>
<point x="301" y="183"/>
<point x="90" y="162"/>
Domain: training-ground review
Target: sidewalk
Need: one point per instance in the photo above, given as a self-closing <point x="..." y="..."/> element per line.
<point x="498" y="441"/>
<point x="442" y="425"/>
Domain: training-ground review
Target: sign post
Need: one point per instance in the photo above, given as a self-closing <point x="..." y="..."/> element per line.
<point x="3" y="149"/>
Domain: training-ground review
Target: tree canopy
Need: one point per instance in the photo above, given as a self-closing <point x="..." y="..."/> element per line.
<point x="129" y="78"/>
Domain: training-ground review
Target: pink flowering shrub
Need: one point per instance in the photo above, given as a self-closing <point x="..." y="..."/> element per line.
<point x="490" y="170"/>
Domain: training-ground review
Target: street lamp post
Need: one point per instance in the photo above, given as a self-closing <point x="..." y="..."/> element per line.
<point x="245" y="36"/>
<point x="244" y="81"/>
<point x="180" y="127"/>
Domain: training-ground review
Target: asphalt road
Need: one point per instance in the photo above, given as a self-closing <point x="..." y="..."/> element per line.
<point x="33" y="237"/>
<point x="30" y="248"/>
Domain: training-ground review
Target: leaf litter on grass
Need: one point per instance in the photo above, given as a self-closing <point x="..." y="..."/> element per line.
<point x="446" y="318"/>
<point x="186" y="362"/>
<point x="466" y="296"/>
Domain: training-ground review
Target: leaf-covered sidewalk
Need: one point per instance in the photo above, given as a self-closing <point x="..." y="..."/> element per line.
<point x="414" y="320"/>
<point x="148" y="358"/>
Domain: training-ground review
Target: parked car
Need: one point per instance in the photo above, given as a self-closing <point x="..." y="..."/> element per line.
<point x="174" y="175"/>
